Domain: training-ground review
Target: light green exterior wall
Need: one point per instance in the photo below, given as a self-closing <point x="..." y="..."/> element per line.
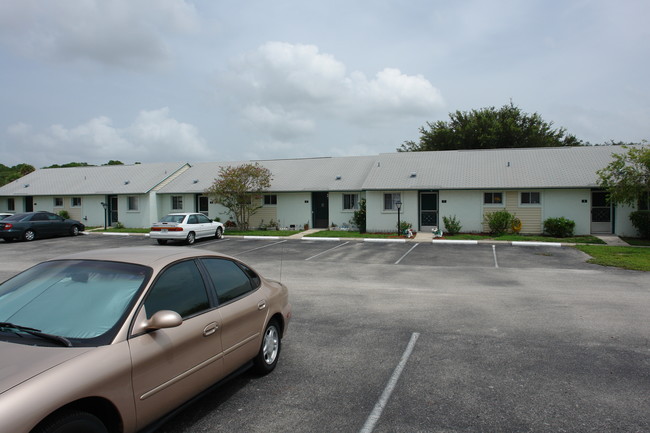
<point x="467" y="206"/>
<point x="294" y="208"/>
<point x="380" y="220"/>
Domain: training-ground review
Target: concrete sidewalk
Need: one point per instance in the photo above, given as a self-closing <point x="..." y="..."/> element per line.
<point x="613" y="240"/>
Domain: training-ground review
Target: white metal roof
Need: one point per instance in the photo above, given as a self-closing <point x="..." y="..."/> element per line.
<point x="106" y="179"/>
<point x="566" y="167"/>
<point x="311" y="174"/>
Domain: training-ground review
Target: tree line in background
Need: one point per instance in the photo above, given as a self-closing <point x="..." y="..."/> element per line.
<point x="9" y="174"/>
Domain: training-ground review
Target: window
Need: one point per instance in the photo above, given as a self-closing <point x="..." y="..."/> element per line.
<point x="202" y="219"/>
<point x="530" y="198"/>
<point x="180" y="288"/>
<point x="271" y="199"/>
<point x="132" y="203"/>
<point x="177" y="202"/>
<point x="644" y="201"/>
<point x="390" y="200"/>
<point x="350" y="201"/>
<point x="58" y="201"/>
<point x="230" y="281"/>
<point x="493" y="198"/>
<point x="11" y="204"/>
<point x="75" y="201"/>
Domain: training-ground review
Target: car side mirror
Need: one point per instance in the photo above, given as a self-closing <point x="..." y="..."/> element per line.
<point x="163" y="319"/>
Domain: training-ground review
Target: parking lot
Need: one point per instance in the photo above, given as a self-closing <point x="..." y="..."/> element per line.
<point x="408" y="337"/>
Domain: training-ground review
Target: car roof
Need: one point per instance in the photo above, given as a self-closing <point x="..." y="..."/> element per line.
<point x="152" y="256"/>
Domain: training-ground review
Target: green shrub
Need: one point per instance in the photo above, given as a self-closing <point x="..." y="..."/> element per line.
<point x="452" y="225"/>
<point x="499" y="222"/>
<point x="359" y="218"/>
<point x="404" y="226"/>
<point x="559" y="227"/>
<point x="641" y="221"/>
<point x="64" y="214"/>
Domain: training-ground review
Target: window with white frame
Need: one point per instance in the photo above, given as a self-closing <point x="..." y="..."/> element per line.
<point x="177" y="202"/>
<point x="350" y="201"/>
<point x="58" y="201"/>
<point x="532" y="197"/>
<point x="132" y="203"/>
<point x="75" y="201"/>
<point x="11" y="204"/>
<point x="390" y="200"/>
<point x="493" y="198"/>
<point x="270" y="199"/>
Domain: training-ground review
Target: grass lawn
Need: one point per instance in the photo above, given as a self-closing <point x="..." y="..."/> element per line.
<point x="114" y="230"/>
<point x="527" y="238"/>
<point x="637" y="242"/>
<point x="353" y="234"/>
<point x="633" y="258"/>
<point x="261" y="232"/>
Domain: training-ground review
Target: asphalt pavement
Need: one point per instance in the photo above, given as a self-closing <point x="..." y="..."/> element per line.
<point x="440" y="338"/>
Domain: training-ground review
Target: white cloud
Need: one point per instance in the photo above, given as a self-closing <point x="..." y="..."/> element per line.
<point x="125" y="33"/>
<point x="153" y="136"/>
<point x="286" y="88"/>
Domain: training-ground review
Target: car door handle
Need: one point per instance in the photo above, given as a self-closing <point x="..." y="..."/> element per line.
<point x="210" y="329"/>
<point x="261" y="305"/>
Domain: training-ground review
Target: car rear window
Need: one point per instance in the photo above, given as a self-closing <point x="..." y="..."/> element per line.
<point x="172" y="219"/>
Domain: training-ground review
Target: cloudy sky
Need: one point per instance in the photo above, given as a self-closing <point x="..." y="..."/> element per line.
<point x="215" y="80"/>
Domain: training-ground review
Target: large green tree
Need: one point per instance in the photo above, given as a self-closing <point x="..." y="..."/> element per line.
<point x="627" y="180"/>
<point x="490" y="128"/>
<point x="9" y="174"/>
<point x="239" y="189"/>
<point x="627" y="177"/>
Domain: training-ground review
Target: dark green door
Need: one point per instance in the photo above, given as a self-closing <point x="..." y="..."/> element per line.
<point x="320" y="210"/>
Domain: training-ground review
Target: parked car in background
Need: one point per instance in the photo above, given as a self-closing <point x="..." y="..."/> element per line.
<point x="185" y="227"/>
<point x="4" y="215"/>
<point x="32" y="225"/>
<point x="112" y="340"/>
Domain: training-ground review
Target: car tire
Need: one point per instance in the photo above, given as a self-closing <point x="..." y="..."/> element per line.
<point x="72" y="422"/>
<point x="162" y="241"/>
<point x="191" y="237"/>
<point x="29" y="235"/>
<point x="74" y="230"/>
<point x="219" y="233"/>
<point x="267" y="357"/>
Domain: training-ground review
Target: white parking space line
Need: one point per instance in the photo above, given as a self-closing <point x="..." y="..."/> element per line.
<point x="494" y="253"/>
<point x="407" y="253"/>
<point x="326" y="251"/>
<point x="374" y="416"/>
<point x="214" y="241"/>
<point x="259" y="248"/>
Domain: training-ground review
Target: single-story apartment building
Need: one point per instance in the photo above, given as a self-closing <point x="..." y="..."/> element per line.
<point x="532" y="183"/>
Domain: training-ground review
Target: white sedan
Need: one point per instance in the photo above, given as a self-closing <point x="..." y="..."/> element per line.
<point x="186" y="227"/>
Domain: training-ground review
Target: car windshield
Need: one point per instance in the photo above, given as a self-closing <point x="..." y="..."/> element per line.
<point x="76" y="299"/>
<point x="173" y="219"/>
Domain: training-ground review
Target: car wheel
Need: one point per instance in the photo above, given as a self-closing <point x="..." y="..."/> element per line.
<point x="29" y="235"/>
<point x="269" y="353"/>
<point x="74" y="231"/>
<point x="219" y="233"/>
<point x="191" y="237"/>
<point x="73" y="422"/>
<point x="162" y="241"/>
